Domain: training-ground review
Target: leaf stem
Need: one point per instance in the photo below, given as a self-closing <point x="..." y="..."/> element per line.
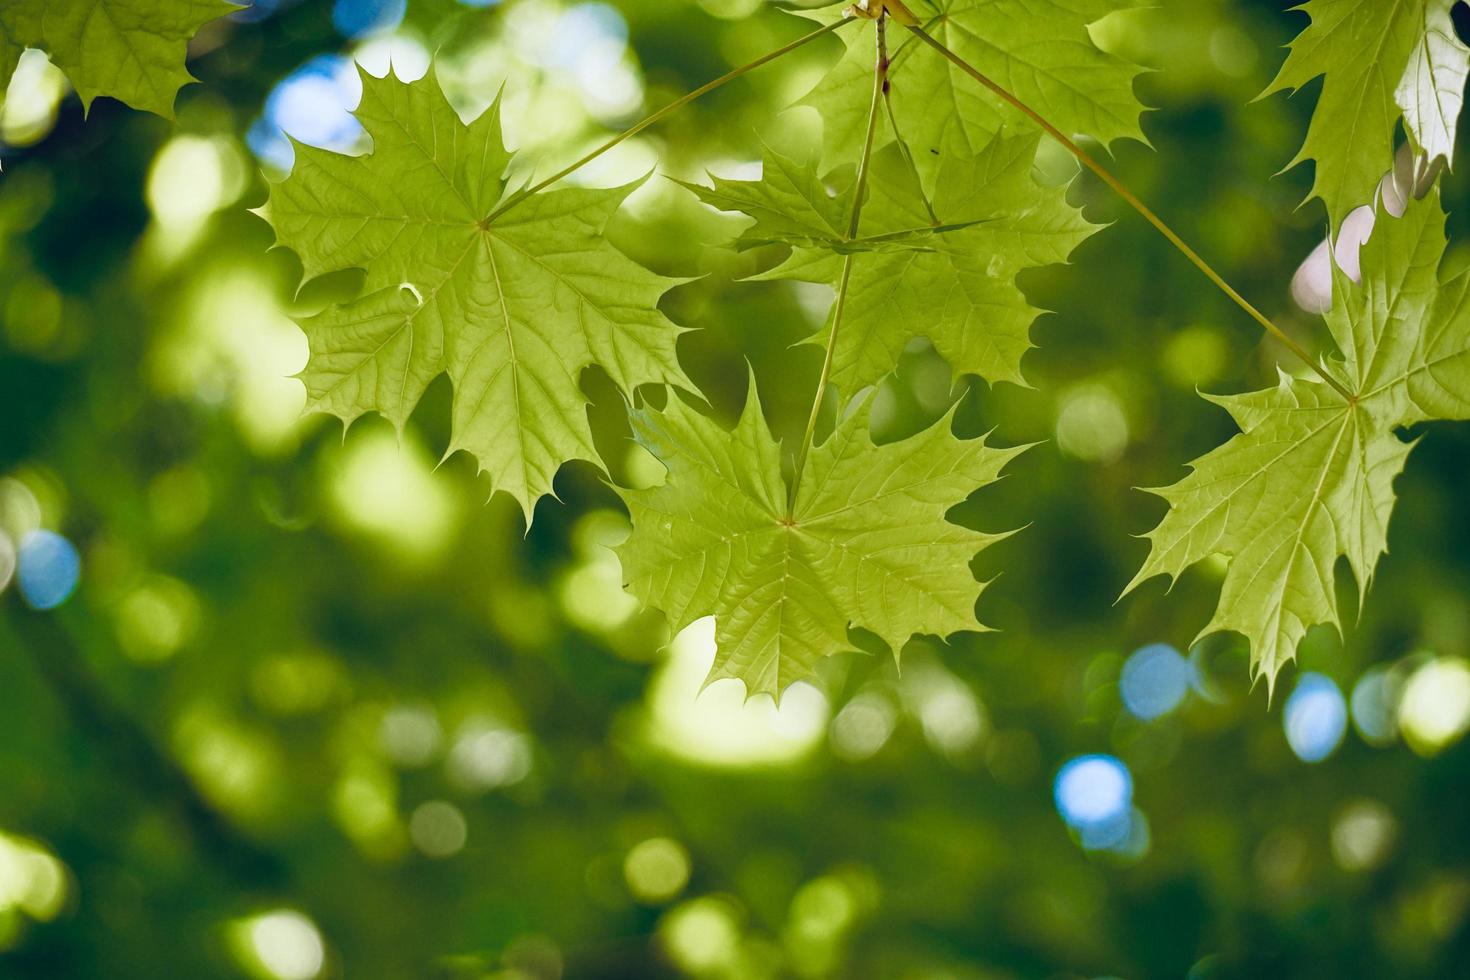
<point x="670" y="109"/>
<point x="1132" y="200"/>
<point x="880" y="85"/>
<point x="908" y="157"/>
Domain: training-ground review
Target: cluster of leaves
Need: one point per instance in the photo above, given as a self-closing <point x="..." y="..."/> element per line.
<point x="1379" y="62"/>
<point x="513" y="293"/>
<point x="1309" y="479"/>
<point x="513" y="290"/>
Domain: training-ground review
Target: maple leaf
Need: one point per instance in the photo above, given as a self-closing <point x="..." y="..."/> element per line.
<point x="864" y="544"/>
<point x="131" y="50"/>
<point x="510" y="298"/>
<point x="1380" y="60"/>
<point x="1310" y="476"/>
<point x="1038" y="49"/>
<point x="944" y="269"/>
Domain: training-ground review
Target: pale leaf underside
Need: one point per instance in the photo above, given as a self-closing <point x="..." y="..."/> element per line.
<point x="1380" y="60"/>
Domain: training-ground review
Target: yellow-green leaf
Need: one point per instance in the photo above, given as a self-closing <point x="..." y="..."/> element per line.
<point x="865" y="543"/>
<point x="944" y="268"/>
<point x="1380" y="60"/>
<point x="131" y="50"/>
<point x="512" y="304"/>
<point x="1310" y="477"/>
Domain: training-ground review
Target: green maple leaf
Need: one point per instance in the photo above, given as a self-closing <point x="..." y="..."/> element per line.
<point x="865" y="543"/>
<point x="1038" y="49"/>
<point x="790" y="203"/>
<point x="131" y="50"/>
<point x="1310" y="476"/>
<point x="512" y="306"/>
<point x="1380" y="60"/>
<point x="944" y="269"/>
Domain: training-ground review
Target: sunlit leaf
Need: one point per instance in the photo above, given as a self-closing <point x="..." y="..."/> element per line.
<point x="1310" y="477"/>
<point x="1379" y="60"/>
<point x="865" y="542"/>
<point x="131" y="50"/>
<point x="512" y="306"/>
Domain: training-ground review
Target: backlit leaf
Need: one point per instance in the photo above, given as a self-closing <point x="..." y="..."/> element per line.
<point x="512" y="306"/>
<point x="864" y="544"/>
<point x="1310" y="477"/>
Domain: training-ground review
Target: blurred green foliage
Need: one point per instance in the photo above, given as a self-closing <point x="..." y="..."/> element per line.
<point x="318" y="709"/>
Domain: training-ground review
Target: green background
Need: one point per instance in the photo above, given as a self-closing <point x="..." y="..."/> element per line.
<point x="316" y="673"/>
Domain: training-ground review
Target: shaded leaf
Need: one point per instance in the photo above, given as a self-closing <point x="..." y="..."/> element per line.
<point x="1038" y="49"/>
<point x="944" y="269"/>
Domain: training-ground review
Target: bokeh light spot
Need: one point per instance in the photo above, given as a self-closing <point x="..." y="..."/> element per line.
<point x="20" y="511"/>
<point x="47" y="569"/>
<point x="863" y="726"/>
<point x="701" y="936"/>
<point x="1374" y="704"/>
<point x="279" y="945"/>
<point x="1195" y="356"/>
<point x="438" y="829"/>
<point x="238" y="767"/>
<point x="718" y="725"/>
<point x="1091" y="424"/>
<point x="1154" y="681"/>
<point x="953" y="720"/>
<point x="32" y="880"/>
<point x="404" y="56"/>
<point x="1362" y="835"/>
<point x="656" y="870"/>
<point x="582" y="28"/>
<point x="1092" y="793"/>
<point x="591" y="593"/>
<point x="1435" y="709"/>
<point x="1315" y="718"/>
<point x="1134" y="844"/>
<point x="485" y="757"/>
<point x="365" y="806"/>
<point x="410" y="735"/>
<point x="387" y="488"/>
<point x="298" y="683"/>
<point x="156" y="619"/>
<point x="28" y="106"/>
<point x="7" y="561"/>
<point x="313" y="105"/>
<point x="360" y="18"/>
<point x="191" y="178"/>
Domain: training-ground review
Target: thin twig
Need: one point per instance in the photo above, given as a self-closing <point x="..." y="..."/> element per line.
<point x="1132" y="200"/>
<point x="880" y="82"/>
<point x="667" y="110"/>
<point x="908" y="157"/>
